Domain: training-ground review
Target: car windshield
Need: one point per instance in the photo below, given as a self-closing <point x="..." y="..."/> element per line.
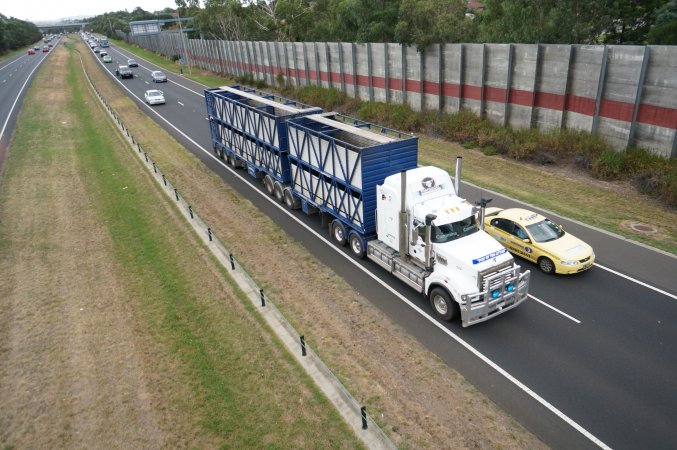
<point x="545" y="231"/>
<point x="154" y="93"/>
<point x="440" y="234"/>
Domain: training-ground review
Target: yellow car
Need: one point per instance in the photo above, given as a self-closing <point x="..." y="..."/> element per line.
<point x="538" y="239"/>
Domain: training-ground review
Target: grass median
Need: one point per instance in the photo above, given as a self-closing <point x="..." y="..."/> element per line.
<point x="215" y="374"/>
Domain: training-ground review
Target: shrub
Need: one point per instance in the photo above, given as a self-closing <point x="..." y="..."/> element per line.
<point x="608" y="165"/>
<point x="489" y="150"/>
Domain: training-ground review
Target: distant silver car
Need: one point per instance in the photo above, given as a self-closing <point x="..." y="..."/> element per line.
<point x="132" y="63"/>
<point x="154" y="97"/>
<point x="158" y="76"/>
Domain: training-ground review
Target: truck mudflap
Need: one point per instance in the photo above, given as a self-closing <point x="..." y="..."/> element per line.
<point x="501" y="292"/>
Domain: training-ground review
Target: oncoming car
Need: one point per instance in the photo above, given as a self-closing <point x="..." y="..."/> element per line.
<point x="534" y="237"/>
<point x="154" y="97"/>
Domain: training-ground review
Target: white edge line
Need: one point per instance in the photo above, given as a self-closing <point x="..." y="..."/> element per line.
<point x="648" y="286"/>
<point x="555" y="309"/>
<point x="452" y="335"/>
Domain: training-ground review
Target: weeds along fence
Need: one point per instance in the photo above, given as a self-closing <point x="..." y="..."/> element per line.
<point x="626" y="94"/>
<point x="352" y="411"/>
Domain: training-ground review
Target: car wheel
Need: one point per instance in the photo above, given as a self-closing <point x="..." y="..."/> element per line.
<point x="546" y="265"/>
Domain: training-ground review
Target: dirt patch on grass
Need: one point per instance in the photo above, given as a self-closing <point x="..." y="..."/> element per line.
<point x="397" y="378"/>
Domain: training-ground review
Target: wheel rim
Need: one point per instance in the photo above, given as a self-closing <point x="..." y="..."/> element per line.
<point x="440" y="305"/>
<point x="288" y="199"/>
<point x="338" y="233"/>
<point x="547" y="266"/>
<point x="356" y="245"/>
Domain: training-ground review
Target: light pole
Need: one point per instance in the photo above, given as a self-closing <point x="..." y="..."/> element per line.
<point x="185" y="50"/>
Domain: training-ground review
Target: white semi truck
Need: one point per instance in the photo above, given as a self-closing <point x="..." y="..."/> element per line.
<point x="364" y="182"/>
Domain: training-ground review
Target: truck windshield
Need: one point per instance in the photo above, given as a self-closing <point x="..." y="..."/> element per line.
<point x="440" y="234"/>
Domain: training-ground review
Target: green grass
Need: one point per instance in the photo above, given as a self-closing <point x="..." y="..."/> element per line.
<point x="247" y="389"/>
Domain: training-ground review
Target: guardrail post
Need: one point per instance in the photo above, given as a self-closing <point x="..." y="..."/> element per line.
<point x="232" y="262"/>
<point x="176" y="193"/>
<point x="154" y="168"/>
<point x="190" y="210"/>
<point x="164" y="179"/>
<point x="146" y="156"/>
<point x="263" y="298"/>
<point x="363" y="413"/>
<point x="303" y="346"/>
<point x="138" y="146"/>
<point x="209" y="233"/>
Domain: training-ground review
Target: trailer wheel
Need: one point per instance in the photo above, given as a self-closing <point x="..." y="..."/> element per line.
<point x="278" y="191"/>
<point x="338" y="232"/>
<point x="269" y="184"/>
<point x="289" y="199"/>
<point x="357" y="245"/>
<point x="230" y="159"/>
<point x="443" y="305"/>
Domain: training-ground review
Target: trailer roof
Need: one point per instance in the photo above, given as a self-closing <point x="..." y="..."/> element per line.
<point x="322" y="118"/>
<point x="266" y="101"/>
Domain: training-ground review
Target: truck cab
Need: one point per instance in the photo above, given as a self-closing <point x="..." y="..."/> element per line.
<point x="431" y="239"/>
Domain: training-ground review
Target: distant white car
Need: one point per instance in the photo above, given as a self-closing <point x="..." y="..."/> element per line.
<point x="158" y="76"/>
<point x="154" y="97"/>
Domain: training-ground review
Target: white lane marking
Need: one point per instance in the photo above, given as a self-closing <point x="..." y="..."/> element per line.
<point x="641" y="283"/>
<point x="2" y="132"/>
<point x="430" y="319"/>
<point x="555" y="309"/>
<point x="180" y="103"/>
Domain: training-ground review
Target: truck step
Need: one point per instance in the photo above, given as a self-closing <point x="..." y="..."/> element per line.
<point x="388" y="258"/>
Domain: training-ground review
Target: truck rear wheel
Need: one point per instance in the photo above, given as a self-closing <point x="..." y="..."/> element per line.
<point x="357" y="245"/>
<point x="338" y="232"/>
<point x="269" y="184"/>
<point x="278" y="191"/>
<point x="443" y="305"/>
<point x="289" y="199"/>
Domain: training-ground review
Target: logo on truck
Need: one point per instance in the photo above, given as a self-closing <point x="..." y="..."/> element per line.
<point x="428" y="184"/>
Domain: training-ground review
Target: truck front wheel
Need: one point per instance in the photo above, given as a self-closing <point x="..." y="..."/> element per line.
<point x="443" y="305"/>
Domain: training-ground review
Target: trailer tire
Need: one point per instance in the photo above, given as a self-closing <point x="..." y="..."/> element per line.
<point x="231" y="160"/>
<point x="278" y="191"/>
<point x="338" y="233"/>
<point x="357" y="245"/>
<point x="269" y="184"/>
<point x="443" y="304"/>
<point x="289" y="199"/>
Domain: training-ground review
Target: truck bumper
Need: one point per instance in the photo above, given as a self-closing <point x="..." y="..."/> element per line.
<point x="485" y="307"/>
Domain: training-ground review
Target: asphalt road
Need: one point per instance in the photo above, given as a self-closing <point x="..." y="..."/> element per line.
<point x="16" y="74"/>
<point x="590" y="361"/>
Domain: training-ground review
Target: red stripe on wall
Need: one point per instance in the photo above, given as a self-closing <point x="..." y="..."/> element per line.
<point x="581" y="105"/>
<point x="451" y="90"/>
<point x="472" y="92"/>
<point x="520" y="97"/>
<point x="548" y="100"/>
<point x="395" y="83"/>
<point x="413" y="85"/>
<point x="616" y="110"/>
<point x="494" y="94"/>
<point x="335" y="78"/>
<point x="378" y="82"/>
<point x="431" y="87"/>
<point x="657" y="115"/>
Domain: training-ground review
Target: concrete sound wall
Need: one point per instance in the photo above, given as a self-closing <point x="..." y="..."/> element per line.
<point x="627" y="94"/>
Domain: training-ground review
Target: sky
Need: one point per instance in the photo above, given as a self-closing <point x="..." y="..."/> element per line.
<point x="53" y="10"/>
